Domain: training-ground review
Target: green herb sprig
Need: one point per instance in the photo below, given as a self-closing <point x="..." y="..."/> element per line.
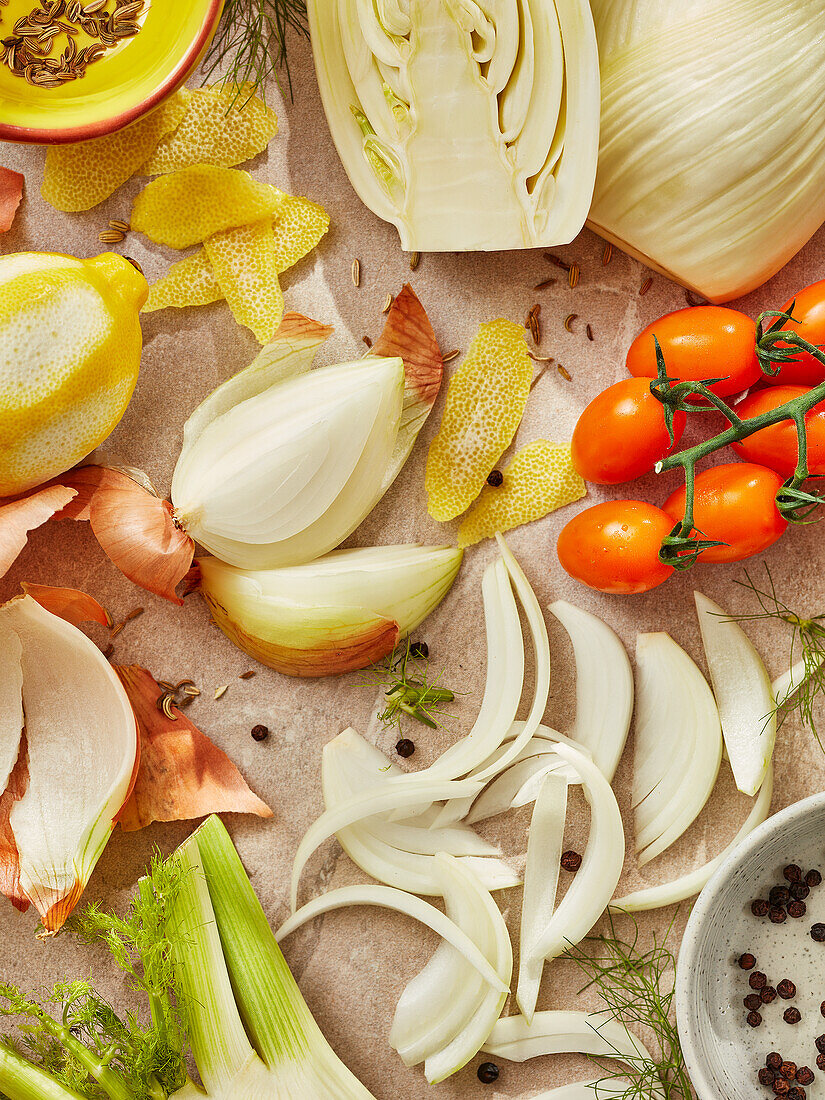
<point x="251" y="43"/>
<point x="408" y="689"/>
<point x="637" y="985"/>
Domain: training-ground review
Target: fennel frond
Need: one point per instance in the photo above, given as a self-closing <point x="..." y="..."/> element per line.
<point x="408" y="689"/>
<point x="251" y="43"/>
<point x="637" y="986"/>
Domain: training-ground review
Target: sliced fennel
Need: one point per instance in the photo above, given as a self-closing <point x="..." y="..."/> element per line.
<point x="690" y="884"/>
<point x="560" y="1032"/>
<point x="604" y="686"/>
<point x="678" y="744"/>
<point x="468" y="126"/>
<point x="591" y="890"/>
<point x="340" y="612"/>
<point x="447" y="1011"/>
<point x="698" y="174"/>
<point x="788" y="683"/>
<point x="743" y="693"/>
<point x="612" y="1088"/>
<point x="541" y="880"/>
<point x="398" y="853"/>
<point x="387" y="897"/>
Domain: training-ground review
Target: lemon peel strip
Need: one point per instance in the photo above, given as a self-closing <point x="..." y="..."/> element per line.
<point x="299" y="226"/>
<point x="539" y="479"/>
<point x="223" y="126"/>
<point x="78" y="177"/>
<point x="184" y="208"/>
<point x="245" y="265"/>
<point x="485" y="403"/>
<point x="189" y="282"/>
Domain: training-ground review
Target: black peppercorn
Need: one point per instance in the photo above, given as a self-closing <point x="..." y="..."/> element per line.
<point x="813" y="878"/>
<point x="774" y="1060"/>
<point x="819" y="1042"/>
<point x="419" y="650"/>
<point x="571" y="861"/>
<point x="768" y="995"/>
<point x="791" y="1015"/>
<point x="822" y="1009"/>
<point x="752" y="1001"/>
<point x="766" y="1076"/>
<point x="788" y="1070"/>
<point x="758" y="980"/>
<point x="799" y="891"/>
<point x="781" y="1086"/>
<point x="777" y="916"/>
<point x="786" y="989"/>
<point x="495" y="478"/>
<point x="804" y="1075"/>
<point x="754" y="1019"/>
<point x="796" y="1093"/>
<point x="797" y="909"/>
<point x="747" y="961"/>
<point x="779" y="895"/>
<point x="818" y="932"/>
<point x="405" y="748"/>
<point x="487" y="1072"/>
<point x="760" y="907"/>
<point x="820" y="1062"/>
<point x="792" y="873"/>
<point x="259" y="733"/>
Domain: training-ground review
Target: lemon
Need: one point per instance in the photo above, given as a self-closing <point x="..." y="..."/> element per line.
<point x="70" y="345"/>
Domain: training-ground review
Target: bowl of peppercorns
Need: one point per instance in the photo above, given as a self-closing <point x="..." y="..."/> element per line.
<point x="750" y="982"/>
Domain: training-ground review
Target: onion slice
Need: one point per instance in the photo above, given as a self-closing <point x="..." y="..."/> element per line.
<point x="447" y="1011"/>
<point x="604" y="686"/>
<point x="743" y="694"/>
<point x="541" y="880"/>
<point x="401" y="902"/>
<point x="594" y="885"/>
<point x="678" y="744"/>
<point x="690" y="884"/>
<point x="82" y="746"/>
<point x="561" y="1032"/>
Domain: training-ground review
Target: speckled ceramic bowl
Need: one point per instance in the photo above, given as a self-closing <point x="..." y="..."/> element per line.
<point x="723" y="1054"/>
<point x="116" y="90"/>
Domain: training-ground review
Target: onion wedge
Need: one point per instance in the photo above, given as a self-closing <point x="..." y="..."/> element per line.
<point x="597" y="878"/>
<point x="678" y="744"/>
<point x="400" y="901"/>
<point x="541" y="880"/>
<point x="561" y="1032"/>
<point x="687" y="886"/>
<point x="743" y="695"/>
<point x="447" y="1011"/>
<point x="604" y="686"/>
<point x="82" y="746"/>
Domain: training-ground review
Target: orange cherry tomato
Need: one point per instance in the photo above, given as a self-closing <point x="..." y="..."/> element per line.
<point x="614" y="547"/>
<point x="776" y="446"/>
<point x="809" y="312"/>
<point x="698" y="343"/>
<point x="622" y="433"/>
<point x="734" y="504"/>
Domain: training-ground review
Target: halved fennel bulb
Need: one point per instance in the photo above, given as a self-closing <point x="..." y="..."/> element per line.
<point x="744" y="694"/>
<point x="678" y="744"/>
<point x="281" y="463"/>
<point x="338" y="613"/>
<point x="467" y="125"/>
<point x="700" y="173"/>
<point x="70" y="771"/>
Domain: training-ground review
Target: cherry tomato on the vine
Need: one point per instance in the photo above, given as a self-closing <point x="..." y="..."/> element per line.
<point x="777" y="445"/>
<point x="809" y="311"/>
<point x="698" y="343"/>
<point x="734" y="504"/>
<point x="614" y="547"/>
<point x="622" y="433"/>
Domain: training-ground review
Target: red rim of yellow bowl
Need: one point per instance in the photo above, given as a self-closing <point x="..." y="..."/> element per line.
<point x="36" y="136"/>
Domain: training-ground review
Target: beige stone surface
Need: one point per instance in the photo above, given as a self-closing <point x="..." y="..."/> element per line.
<point x="352" y="965"/>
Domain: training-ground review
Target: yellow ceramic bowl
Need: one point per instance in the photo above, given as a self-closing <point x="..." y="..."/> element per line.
<point x="124" y="84"/>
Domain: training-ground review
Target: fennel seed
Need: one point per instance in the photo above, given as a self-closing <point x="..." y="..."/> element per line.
<point x="134" y="614"/>
<point x="646" y="285"/>
<point x="589" y="331"/>
<point x="356" y="273"/>
<point x="568" y="321"/>
<point x="221" y="691"/>
<point x="415" y="260"/>
<point x="607" y="255"/>
<point x="388" y="303"/>
<point x="367" y="340"/>
<point x="545" y="283"/>
<point x="115" y="223"/>
<point x="248" y="674"/>
<point x="557" y="260"/>
<point x="566" y="375"/>
<point x="694" y="299"/>
<point x="573" y="276"/>
<point x="532" y="323"/>
<point x="111" y="236"/>
<point x="454" y="354"/>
